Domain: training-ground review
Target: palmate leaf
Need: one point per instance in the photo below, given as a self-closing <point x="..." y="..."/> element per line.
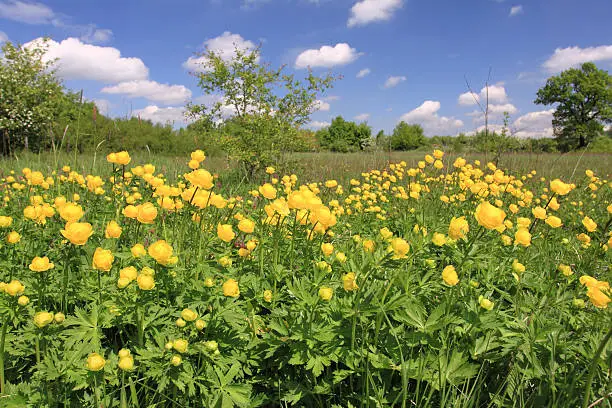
<point x="86" y="326"/>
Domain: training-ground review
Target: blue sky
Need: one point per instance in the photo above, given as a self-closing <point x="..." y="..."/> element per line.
<point x="414" y="55"/>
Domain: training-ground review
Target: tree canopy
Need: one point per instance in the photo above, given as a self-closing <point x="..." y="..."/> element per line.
<point x="584" y="104"/>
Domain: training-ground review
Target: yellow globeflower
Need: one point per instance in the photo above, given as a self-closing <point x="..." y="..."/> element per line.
<point x="41" y="319"/>
<point x="489" y="216"/>
<point x="14" y="288"/>
<point x="267" y="296"/>
<point x="130" y="211"/>
<point x="598" y="298"/>
<point x="77" y="232"/>
<point x="5" y="221"/>
<point x="326" y="293"/>
<point x="449" y="275"/>
<point x="13" y="237"/>
<point x="145" y="282"/>
<point x="560" y="187"/>
<point x="123" y="158"/>
<point x="147" y="213"/>
<point x="103" y="259"/>
<point x="400" y="248"/>
<point x="162" y="252"/>
<point x="180" y="345"/>
<point x="230" y="288"/>
<point x="126" y="362"/>
<point x="589" y="224"/>
<point x="129" y="273"/>
<point x="539" y="212"/>
<point x="23" y="300"/>
<point x="517" y="266"/>
<point x="189" y="315"/>
<point x="522" y="237"/>
<point x="458" y="228"/>
<point x="39" y="264"/>
<point x="198" y="155"/>
<point x="225" y="232"/>
<point x="268" y="191"/>
<point x="438" y="154"/>
<point x="554" y="222"/>
<point x="95" y="362"/>
<point x="565" y="269"/>
<point x="113" y="230"/>
<point x="438" y="239"/>
<point x="327" y="249"/>
<point x="71" y="212"/>
<point x="246" y="225"/>
<point x="200" y="178"/>
<point x="138" y="251"/>
<point x="349" y="283"/>
<point x="193" y="164"/>
<point x="485" y="303"/>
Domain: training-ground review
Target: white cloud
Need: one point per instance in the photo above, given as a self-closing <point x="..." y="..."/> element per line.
<point x="363" y="73"/>
<point x="534" y="124"/>
<point x="26" y="12"/>
<point x="224" y="45"/>
<point x="321" y="106"/>
<point x="3" y="37"/>
<point x="516" y="10"/>
<point x="495" y="112"/>
<point x="496" y="94"/>
<point x="427" y="116"/>
<point x="318" y="125"/>
<point x="170" y="115"/>
<point x="394" y="81"/>
<point x="104" y="106"/>
<point x="151" y="90"/>
<point x="95" y="35"/>
<point x="362" y="117"/>
<point x="76" y="60"/>
<point x="327" y="56"/>
<point x="369" y="11"/>
<point x="569" y="57"/>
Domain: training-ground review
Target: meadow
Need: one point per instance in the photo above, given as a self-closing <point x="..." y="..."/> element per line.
<point x="336" y="280"/>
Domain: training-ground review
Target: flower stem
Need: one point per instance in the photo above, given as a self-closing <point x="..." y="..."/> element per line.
<point x="594" y="363"/>
<point x="2" y="340"/>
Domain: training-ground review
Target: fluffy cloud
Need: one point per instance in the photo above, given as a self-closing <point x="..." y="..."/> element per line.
<point x="95" y="35"/>
<point x="427" y="116"/>
<point x="151" y="90"/>
<point x="369" y="11"/>
<point x="104" y="106"/>
<point x="76" y="60"/>
<point x="318" y="125"/>
<point x="321" y="106"/>
<point x="3" y="37"/>
<point x="170" y="115"/>
<point x="26" y="12"/>
<point x="516" y="10"/>
<point x="362" y="117"/>
<point x="495" y="112"/>
<point x="565" y="58"/>
<point x="534" y="124"/>
<point x="327" y="56"/>
<point x="394" y="81"/>
<point x="225" y="45"/>
<point x="363" y="73"/>
<point x="497" y="94"/>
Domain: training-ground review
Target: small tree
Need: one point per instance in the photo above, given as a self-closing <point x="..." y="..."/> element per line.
<point x="258" y="109"/>
<point x="345" y="136"/>
<point x="407" y="137"/>
<point x="584" y="103"/>
<point x="31" y="96"/>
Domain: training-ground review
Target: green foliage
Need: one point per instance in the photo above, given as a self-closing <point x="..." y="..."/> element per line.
<point x="407" y="137"/>
<point x="344" y="136"/>
<point x="257" y="110"/>
<point x="584" y="103"/>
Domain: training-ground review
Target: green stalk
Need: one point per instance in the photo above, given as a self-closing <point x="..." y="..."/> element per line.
<point x="2" y="340"/>
<point x="594" y="363"/>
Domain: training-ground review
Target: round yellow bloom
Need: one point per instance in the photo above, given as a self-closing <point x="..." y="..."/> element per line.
<point x="326" y="293"/>
<point x="268" y="191"/>
<point x="189" y="315"/>
<point x="349" y="283"/>
<point x="554" y="222"/>
<point x="130" y="211"/>
<point x="267" y="296"/>
<point x="598" y="298"/>
<point x="126" y="363"/>
<point x="225" y="232"/>
<point x="438" y="154"/>
<point x="193" y="164"/>
<point x="449" y="275"/>
<point x="200" y="324"/>
<point x="23" y="300"/>
<point x="458" y="228"/>
<point x="522" y="237"/>
<point x="14" y="288"/>
<point x="565" y="269"/>
<point x="489" y="216"/>
<point x="560" y="187"/>
<point x="589" y="224"/>
<point x="145" y="282"/>
<point x="200" y="178"/>
<point x="485" y="303"/>
<point x="77" y="232"/>
<point x="198" y="155"/>
<point x="162" y="252"/>
<point x="5" y="221"/>
<point x="13" y="237"/>
<point x="400" y="248"/>
<point x="230" y="288"/>
<point x="59" y="318"/>
<point x="180" y="345"/>
<point x="95" y="362"/>
<point x="39" y="264"/>
<point x="138" y="251"/>
<point x="438" y="239"/>
<point x="246" y="225"/>
<point x="129" y="272"/>
<point x="147" y="213"/>
<point x="327" y="249"/>
<point x="225" y="261"/>
<point x="180" y="322"/>
<point x="123" y="158"/>
<point x="341" y="257"/>
<point x="71" y="212"/>
<point x="539" y="212"/>
<point x="103" y="259"/>
<point x="41" y="319"/>
<point x="176" y="360"/>
<point x="113" y="230"/>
